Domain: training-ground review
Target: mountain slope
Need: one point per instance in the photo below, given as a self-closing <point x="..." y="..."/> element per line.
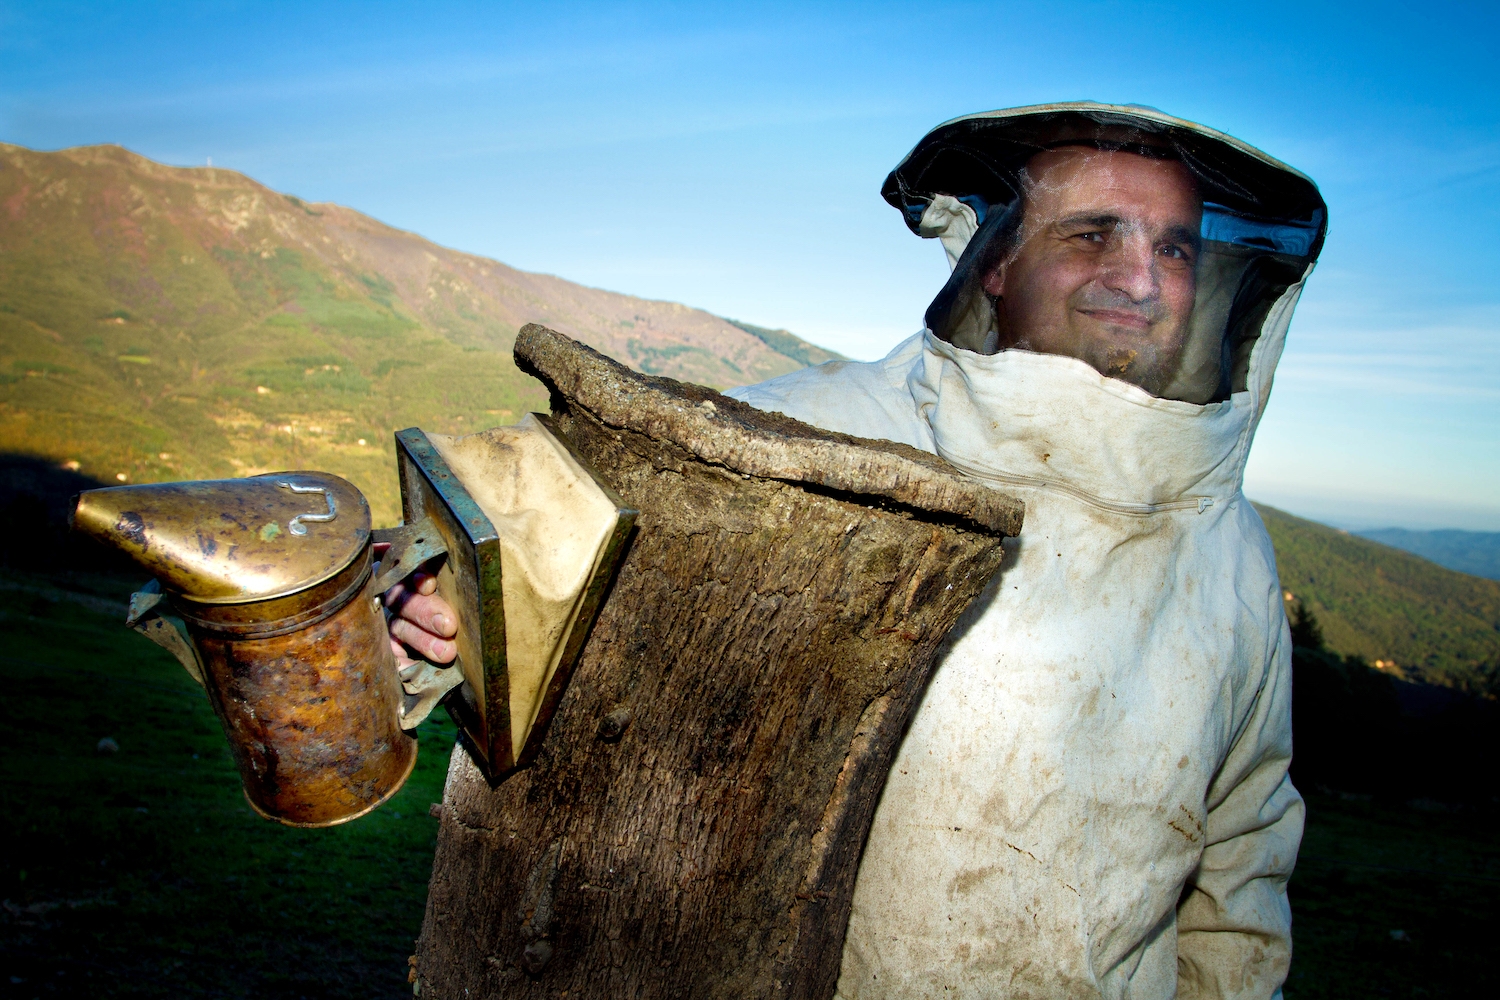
<point x="1473" y="552"/>
<point x="169" y="323"/>
<point x="789" y="344"/>
<point x="1383" y="604"/>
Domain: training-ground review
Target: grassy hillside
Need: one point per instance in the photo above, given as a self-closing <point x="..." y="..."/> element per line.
<point x="1386" y="605"/>
<point x="170" y="323"/>
<point x="1473" y="552"/>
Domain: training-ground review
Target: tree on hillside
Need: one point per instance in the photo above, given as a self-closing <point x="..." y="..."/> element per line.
<point x="1306" y="632"/>
<point x="1344" y="714"/>
<point x="1356" y="729"/>
<point x="1485" y="682"/>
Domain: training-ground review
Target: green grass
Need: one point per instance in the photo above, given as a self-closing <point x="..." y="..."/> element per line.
<point x="145" y="311"/>
<point x="144" y="873"/>
<point x="1368" y="870"/>
<point x="149" y="310"/>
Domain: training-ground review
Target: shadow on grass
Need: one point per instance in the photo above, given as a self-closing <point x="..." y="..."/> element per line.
<point x="1393" y="900"/>
<point x="144" y="873"/>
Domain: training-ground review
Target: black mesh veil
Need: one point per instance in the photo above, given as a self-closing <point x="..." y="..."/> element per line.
<point x="1263" y="223"/>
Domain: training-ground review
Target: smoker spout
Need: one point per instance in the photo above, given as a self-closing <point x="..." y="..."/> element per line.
<point x="232" y="541"/>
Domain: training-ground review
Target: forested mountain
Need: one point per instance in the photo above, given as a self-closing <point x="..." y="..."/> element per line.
<point x="1395" y="667"/>
<point x="1398" y="611"/>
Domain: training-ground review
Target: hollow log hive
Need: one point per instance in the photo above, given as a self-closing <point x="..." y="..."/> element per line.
<point x="693" y="824"/>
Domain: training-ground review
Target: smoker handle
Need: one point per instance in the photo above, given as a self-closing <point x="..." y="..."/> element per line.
<point x="411" y="546"/>
<point x="167" y="631"/>
<point x="423" y="684"/>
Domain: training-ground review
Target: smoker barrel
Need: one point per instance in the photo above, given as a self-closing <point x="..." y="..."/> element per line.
<point x="263" y="588"/>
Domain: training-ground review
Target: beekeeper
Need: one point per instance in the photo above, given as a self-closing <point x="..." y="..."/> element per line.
<point x="1092" y="799"/>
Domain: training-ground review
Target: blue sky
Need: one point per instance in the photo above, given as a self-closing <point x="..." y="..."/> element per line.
<point x="730" y="158"/>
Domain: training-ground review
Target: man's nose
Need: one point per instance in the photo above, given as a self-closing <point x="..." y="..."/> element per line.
<point x="1131" y="269"/>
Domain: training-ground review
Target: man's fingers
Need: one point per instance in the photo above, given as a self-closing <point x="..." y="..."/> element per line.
<point x="417" y="583"/>
<point x="424" y="643"/>
<point x="420" y="582"/>
<point x="403" y="658"/>
<point x="431" y="613"/>
<point x="421" y="621"/>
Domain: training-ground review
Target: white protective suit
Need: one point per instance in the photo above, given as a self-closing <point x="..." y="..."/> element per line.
<point x="1092" y="800"/>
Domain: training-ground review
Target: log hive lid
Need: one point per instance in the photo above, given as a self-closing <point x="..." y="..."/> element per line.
<point x="726" y="432"/>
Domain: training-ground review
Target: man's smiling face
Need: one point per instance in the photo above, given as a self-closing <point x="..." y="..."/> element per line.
<point x="1103" y="269"/>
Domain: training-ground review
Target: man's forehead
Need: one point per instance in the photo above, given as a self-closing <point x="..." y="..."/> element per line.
<point x="1085" y="174"/>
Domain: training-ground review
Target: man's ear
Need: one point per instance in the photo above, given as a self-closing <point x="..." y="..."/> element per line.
<point x="999" y="333"/>
<point x="994" y="281"/>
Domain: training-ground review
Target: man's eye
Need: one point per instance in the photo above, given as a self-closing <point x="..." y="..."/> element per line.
<point x="1176" y="253"/>
<point x="1095" y="237"/>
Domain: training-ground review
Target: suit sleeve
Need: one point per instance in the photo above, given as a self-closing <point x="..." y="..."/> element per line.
<point x="1234" y="922"/>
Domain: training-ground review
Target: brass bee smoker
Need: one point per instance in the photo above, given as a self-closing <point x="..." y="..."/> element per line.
<point x="266" y="590"/>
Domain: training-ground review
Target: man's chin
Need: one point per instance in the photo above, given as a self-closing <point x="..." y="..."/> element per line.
<point x="1137" y="361"/>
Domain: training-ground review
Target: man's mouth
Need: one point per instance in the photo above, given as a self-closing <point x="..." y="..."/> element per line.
<point x="1120" y="317"/>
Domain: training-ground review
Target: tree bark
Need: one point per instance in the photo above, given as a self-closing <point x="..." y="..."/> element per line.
<point x="693" y="824"/>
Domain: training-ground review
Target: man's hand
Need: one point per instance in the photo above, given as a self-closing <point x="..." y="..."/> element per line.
<point x="421" y="622"/>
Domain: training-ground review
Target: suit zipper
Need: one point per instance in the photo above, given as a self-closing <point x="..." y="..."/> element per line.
<point x="1200" y="504"/>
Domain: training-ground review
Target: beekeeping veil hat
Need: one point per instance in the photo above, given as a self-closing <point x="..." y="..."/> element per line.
<point x="1263" y="223"/>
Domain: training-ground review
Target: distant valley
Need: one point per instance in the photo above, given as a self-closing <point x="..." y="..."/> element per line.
<point x="1474" y="552"/>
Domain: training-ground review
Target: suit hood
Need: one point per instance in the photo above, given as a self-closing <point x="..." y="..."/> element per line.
<point x="1263" y="225"/>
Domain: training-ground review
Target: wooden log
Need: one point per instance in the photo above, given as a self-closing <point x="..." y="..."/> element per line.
<point x="693" y="824"/>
